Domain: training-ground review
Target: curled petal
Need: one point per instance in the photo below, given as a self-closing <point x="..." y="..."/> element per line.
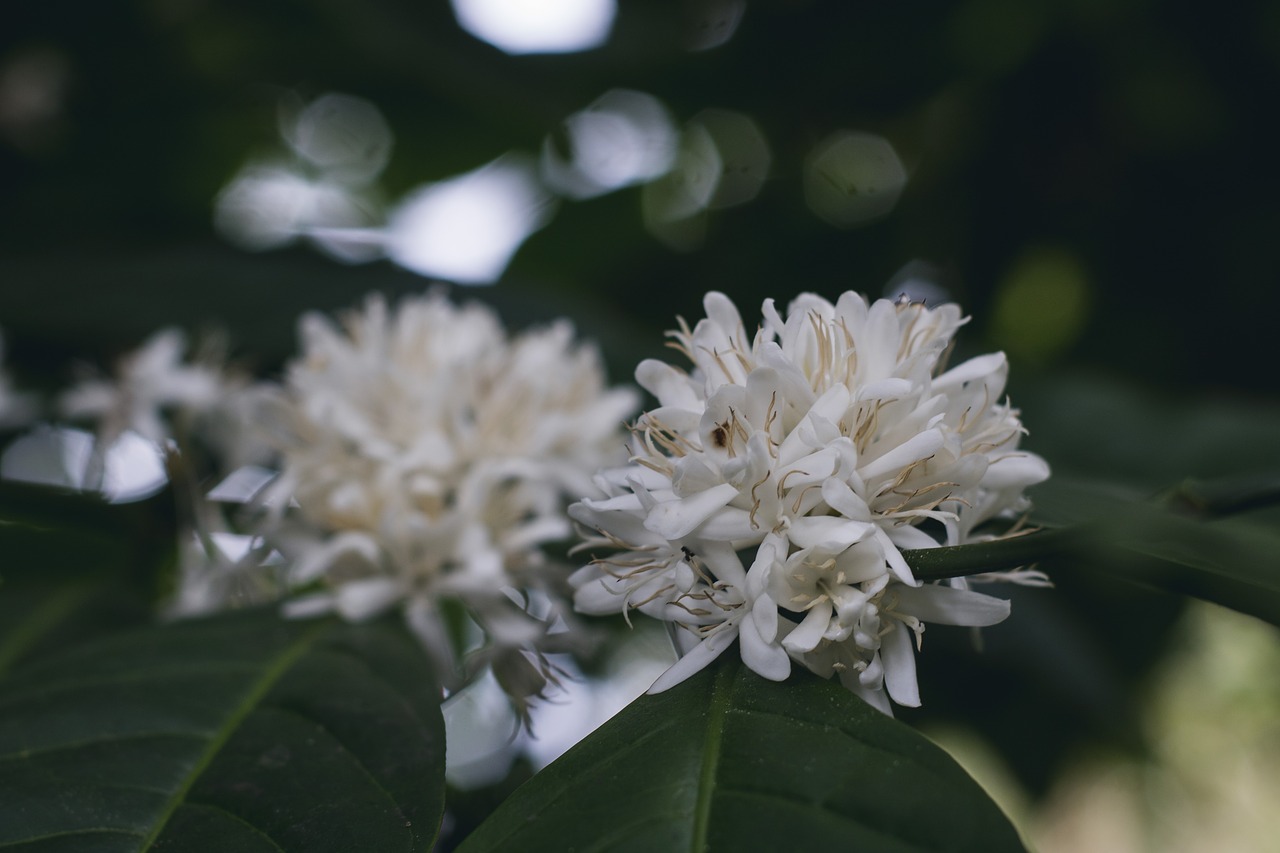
<point x="829" y="533"/>
<point x="696" y="659"/>
<point x="806" y="636"/>
<point x="1016" y="471"/>
<point x="915" y="448"/>
<point x="845" y="501"/>
<point x="946" y="605"/>
<point x="671" y="386"/>
<point x="761" y="656"/>
<point x="676" y="519"/>
<point x="894" y="558"/>
<point x="899" y="661"/>
<point x="364" y="599"/>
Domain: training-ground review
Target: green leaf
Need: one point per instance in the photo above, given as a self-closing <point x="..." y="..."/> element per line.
<point x="728" y="761"/>
<point x="1229" y="562"/>
<point x="40" y="618"/>
<point x="1172" y="546"/>
<point x="74" y="566"/>
<point x="242" y="732"/>
<point x="1177" y="545"/>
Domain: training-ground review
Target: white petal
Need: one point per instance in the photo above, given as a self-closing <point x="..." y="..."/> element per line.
<point x="948" y="606"/>
<point x="730" y="525"/>
<point x="363" y="599"/>
<point x="671" y="386"/>
<point x="306" y="606"/>
<point x="315" y="561"/>
<point x="917" y="447"/>
<point x="675" y="519"/>
<point x="832" y="405"/>
<point x="829" y="533"/>
<point x="911" y="538"/>
<point x="894" y="558"/>
<point x="724" y="563"/>
<point x="990" y="366"/>
<point x="426" y="624"/>
<point x="875" y="698"/>
<point x="899" y="661"/>
<point x="721" y="311"/>
<point x="696" y="659"/>
<point x="765" y="659"/>
<point x="845" y="501"/>
<point x="597" y="598"/>
<point x="806" y="636"/>
<point x="682" y="420"/>
<point x="1017" y="470"/>
<point x="884" y="389"/>
<point x="764" y="613"/>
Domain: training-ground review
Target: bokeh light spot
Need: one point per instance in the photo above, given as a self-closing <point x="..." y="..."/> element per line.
<point x="268" y="206"/>
<point x="711" y="23"/>
<point x="743" y="153"/>
<point x="675" y="206"/>
<point x="1041" y="304"/>
<point x="322" y="187"/>
<point x="538" y="26"/>
<point x="918" y="281"/>
<point x="466" y="229"/>
<point x="853" y="178"/>
<point x="130" y="469"/>
<point x="343" y="135"/>
<point x="723" y="160"/>
<point x="623" y="138"/>
<point x="34" y="83"/>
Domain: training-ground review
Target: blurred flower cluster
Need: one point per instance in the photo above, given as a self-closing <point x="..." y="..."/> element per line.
<point x="773" y="489"/>
<point x="417" y="458"/>
<point x="413" y="458"/>
<point x="426" y="458"/>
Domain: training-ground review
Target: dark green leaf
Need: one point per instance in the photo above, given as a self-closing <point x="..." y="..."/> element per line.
<point x="1168" y="545"/>
<point x="1232" y="561"/>
<point x="244" y="732"/>
<point x="40" y="618"/>
<point x="1229" y="561"/>
<point x="74" y="566"/>
<point x="728" y="761"/>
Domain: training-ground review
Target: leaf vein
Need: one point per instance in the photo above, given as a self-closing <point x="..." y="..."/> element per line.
<point x="96" y="830"/>
<point x="238" y="819"/>
<point x="359" y="763"/>
<point x="285" y="660"/>
<point x="22" y="755"/>
<point x="720" y="694"/>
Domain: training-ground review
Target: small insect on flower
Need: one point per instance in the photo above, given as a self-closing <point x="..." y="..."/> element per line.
<point x="797" y="463"/>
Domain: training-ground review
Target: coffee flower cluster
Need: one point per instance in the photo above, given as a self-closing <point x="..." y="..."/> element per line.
<point x="772" y="491"/>
<point x="426" y="457"/>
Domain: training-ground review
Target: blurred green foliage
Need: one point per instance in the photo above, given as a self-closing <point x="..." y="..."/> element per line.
<point x="1125" y="135"/>
<point x="1091" y="180"/>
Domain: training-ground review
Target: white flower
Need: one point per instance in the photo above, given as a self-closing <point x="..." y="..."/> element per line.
<point x="149" y="382"/>
<point x="819" y="448"/>
<point x="427" y="458"/>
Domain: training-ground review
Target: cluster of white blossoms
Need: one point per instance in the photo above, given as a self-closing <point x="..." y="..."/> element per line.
<point x="427" y="457"/>
<point x="772" y="491"/>
<point x="152" y="380"/>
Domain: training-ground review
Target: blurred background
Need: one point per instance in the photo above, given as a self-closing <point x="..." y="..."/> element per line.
<point x="1094" y="181"/>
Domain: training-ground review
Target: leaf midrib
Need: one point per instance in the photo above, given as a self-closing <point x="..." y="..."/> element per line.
<point x="42" y="620"/>
<point x="288" y="657"/>
<point x="719" y="706"/>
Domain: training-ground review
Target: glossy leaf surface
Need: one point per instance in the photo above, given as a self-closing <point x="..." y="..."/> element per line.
<point x="729" y="761"/>
<point x="244" y="732"/>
